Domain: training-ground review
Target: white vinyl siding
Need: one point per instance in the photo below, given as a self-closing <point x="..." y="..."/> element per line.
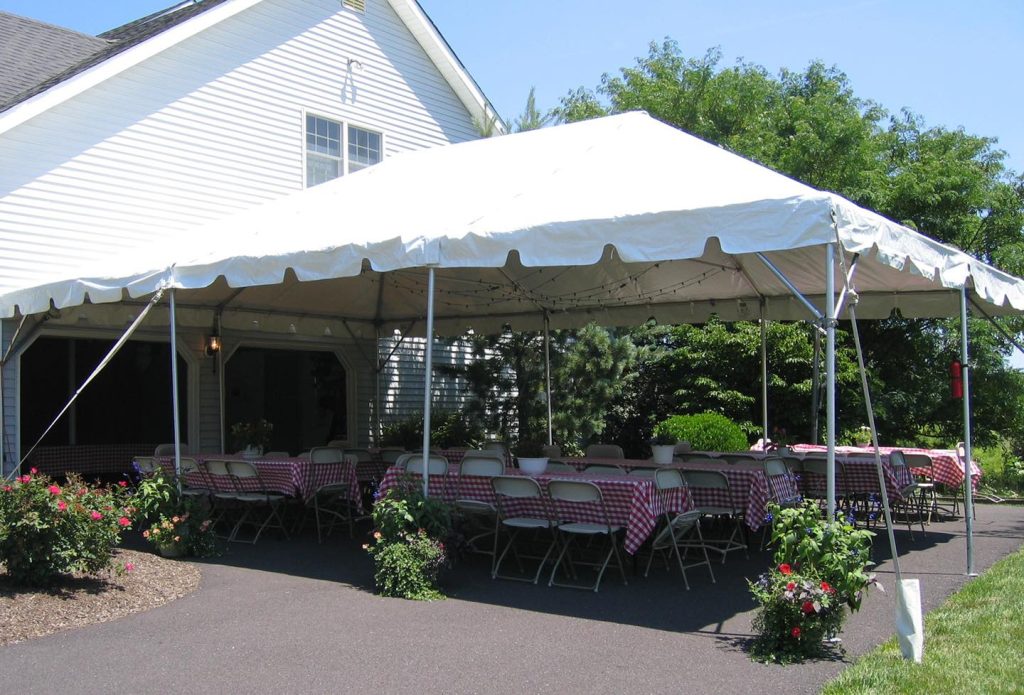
<point x="209" y="127"/>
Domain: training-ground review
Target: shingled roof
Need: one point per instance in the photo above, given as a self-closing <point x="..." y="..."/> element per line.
<point x="35" y="56"/>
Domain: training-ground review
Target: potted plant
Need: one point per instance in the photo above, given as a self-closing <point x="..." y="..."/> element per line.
<point x="251" y="437"/>
<point x="181" y="535"/>
<point x="530" y="456"/>
<point x="819" y="570"/>
<point x="177" y="526"/>
<point x="663" y="446"/>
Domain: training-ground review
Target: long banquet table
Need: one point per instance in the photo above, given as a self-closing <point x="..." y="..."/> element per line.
<point x="749" y="487"/>
<point x="295" y="477"/>
<point x="946" y="467"/>
<point x="631" y="501"/>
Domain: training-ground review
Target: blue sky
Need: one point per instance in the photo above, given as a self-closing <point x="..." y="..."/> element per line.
<point x="956" y="63"/>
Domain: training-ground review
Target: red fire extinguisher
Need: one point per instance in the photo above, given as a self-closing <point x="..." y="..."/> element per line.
<point x="956" y="382"/>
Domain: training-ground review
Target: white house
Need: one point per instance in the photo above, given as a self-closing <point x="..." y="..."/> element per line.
<point x="180" y="118"/>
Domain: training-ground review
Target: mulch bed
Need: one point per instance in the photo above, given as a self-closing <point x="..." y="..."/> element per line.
<point x="85" y="600"/>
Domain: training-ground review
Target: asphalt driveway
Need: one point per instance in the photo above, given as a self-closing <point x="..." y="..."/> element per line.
<point x="297" y="617"/>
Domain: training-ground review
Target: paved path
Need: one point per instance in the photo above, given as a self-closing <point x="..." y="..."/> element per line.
<point x="295" y="617"/>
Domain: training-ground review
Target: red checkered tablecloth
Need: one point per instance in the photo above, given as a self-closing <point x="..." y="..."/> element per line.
<point x="946" y="467"/>
<point x="749" y="488"/>
<point x="631" y="502"/>
<point x="292" y="476"/>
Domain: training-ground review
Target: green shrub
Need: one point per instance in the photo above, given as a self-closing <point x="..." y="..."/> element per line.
<point x="447" y="429"/>
<point x="47" y="530"/>
<point x="705" y="432"/>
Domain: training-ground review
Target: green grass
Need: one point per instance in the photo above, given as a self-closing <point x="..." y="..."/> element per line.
<point x="974" y="643"/>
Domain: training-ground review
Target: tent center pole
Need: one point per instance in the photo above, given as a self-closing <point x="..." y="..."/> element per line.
<point x="428" y="386"/>
<point x="830" y="377"/>
<point x="174" y="391"/>
<point x="547" y="374"/>
<point x="968" y="489"/>
<point x="764" y="374"/>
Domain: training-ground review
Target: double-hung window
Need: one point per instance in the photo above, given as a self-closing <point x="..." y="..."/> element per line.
<point x="334" y="148"/>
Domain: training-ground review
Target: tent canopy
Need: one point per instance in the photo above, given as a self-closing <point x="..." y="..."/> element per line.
<point x="614" y="220"/>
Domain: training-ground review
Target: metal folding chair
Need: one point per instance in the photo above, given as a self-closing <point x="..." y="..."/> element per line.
<point x="581" y="493"/>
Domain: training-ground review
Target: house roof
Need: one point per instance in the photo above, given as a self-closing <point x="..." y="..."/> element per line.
<point x="37" y="56"/>
<point x="40" y="59"/>
<point x="34" y="53"/>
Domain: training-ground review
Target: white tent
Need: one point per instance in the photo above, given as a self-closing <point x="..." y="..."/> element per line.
<point x="614" y="220"/>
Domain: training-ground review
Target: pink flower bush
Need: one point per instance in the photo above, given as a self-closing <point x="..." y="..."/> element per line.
<point x="38" y="516"/>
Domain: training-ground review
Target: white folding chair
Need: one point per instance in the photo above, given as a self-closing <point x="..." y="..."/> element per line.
<point x="643" y="472"/>
<point x="601" y="469"/>
<point x="925" y="482"/>
<point x="604" y="451"/>
<point x="551" y="450"/>
<point x="478" y="514"/>
<point x="681" y="529"/>
<point x="437" y="467"/>
<point x="715" y="485"/>
<point x="333" y="503"/>
<point x="582" y="493"/>
<point x="392" y="455"/>
<point x="910" y="493"/>
<point x="958" y="491"/>
<point x="510" y="490"/>
<point x="168" y="449"/>
<point x="245" y="473"/>
<point x="558" y="467"/>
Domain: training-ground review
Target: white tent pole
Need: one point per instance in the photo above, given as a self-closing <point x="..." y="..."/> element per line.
<point x="547" y="373"/>
<point x="816" y="386"/>
<point x="968" y="490"/>
<point x="174" y="391"/>
<point x="764" y="374"/>
<point x="428" y="368"/>
<point x="377" y="369"/>
<point x="830" y="376"/>
<point x="3" y="421"/>
<point x="219" y="361"/>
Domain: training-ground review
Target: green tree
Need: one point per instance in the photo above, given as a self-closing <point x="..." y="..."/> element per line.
<point x="810" y="125"/>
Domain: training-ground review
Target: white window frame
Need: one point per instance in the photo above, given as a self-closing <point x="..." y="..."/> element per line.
<point x="345" y="124"/>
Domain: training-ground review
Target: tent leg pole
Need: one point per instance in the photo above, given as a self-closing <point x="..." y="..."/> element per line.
<point x="377" y="432"/>
<point x="968" y="489"/>
<point x="174" y="391"/>
<point x="428" y="386"/>
<point x="3" y="411"/>
<point x="219" y="361"/>
<point x="830" y="377"/>
<point x="547" y="374"/>
<point x="816" y="387"/>
<point x="764" y="374"/>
